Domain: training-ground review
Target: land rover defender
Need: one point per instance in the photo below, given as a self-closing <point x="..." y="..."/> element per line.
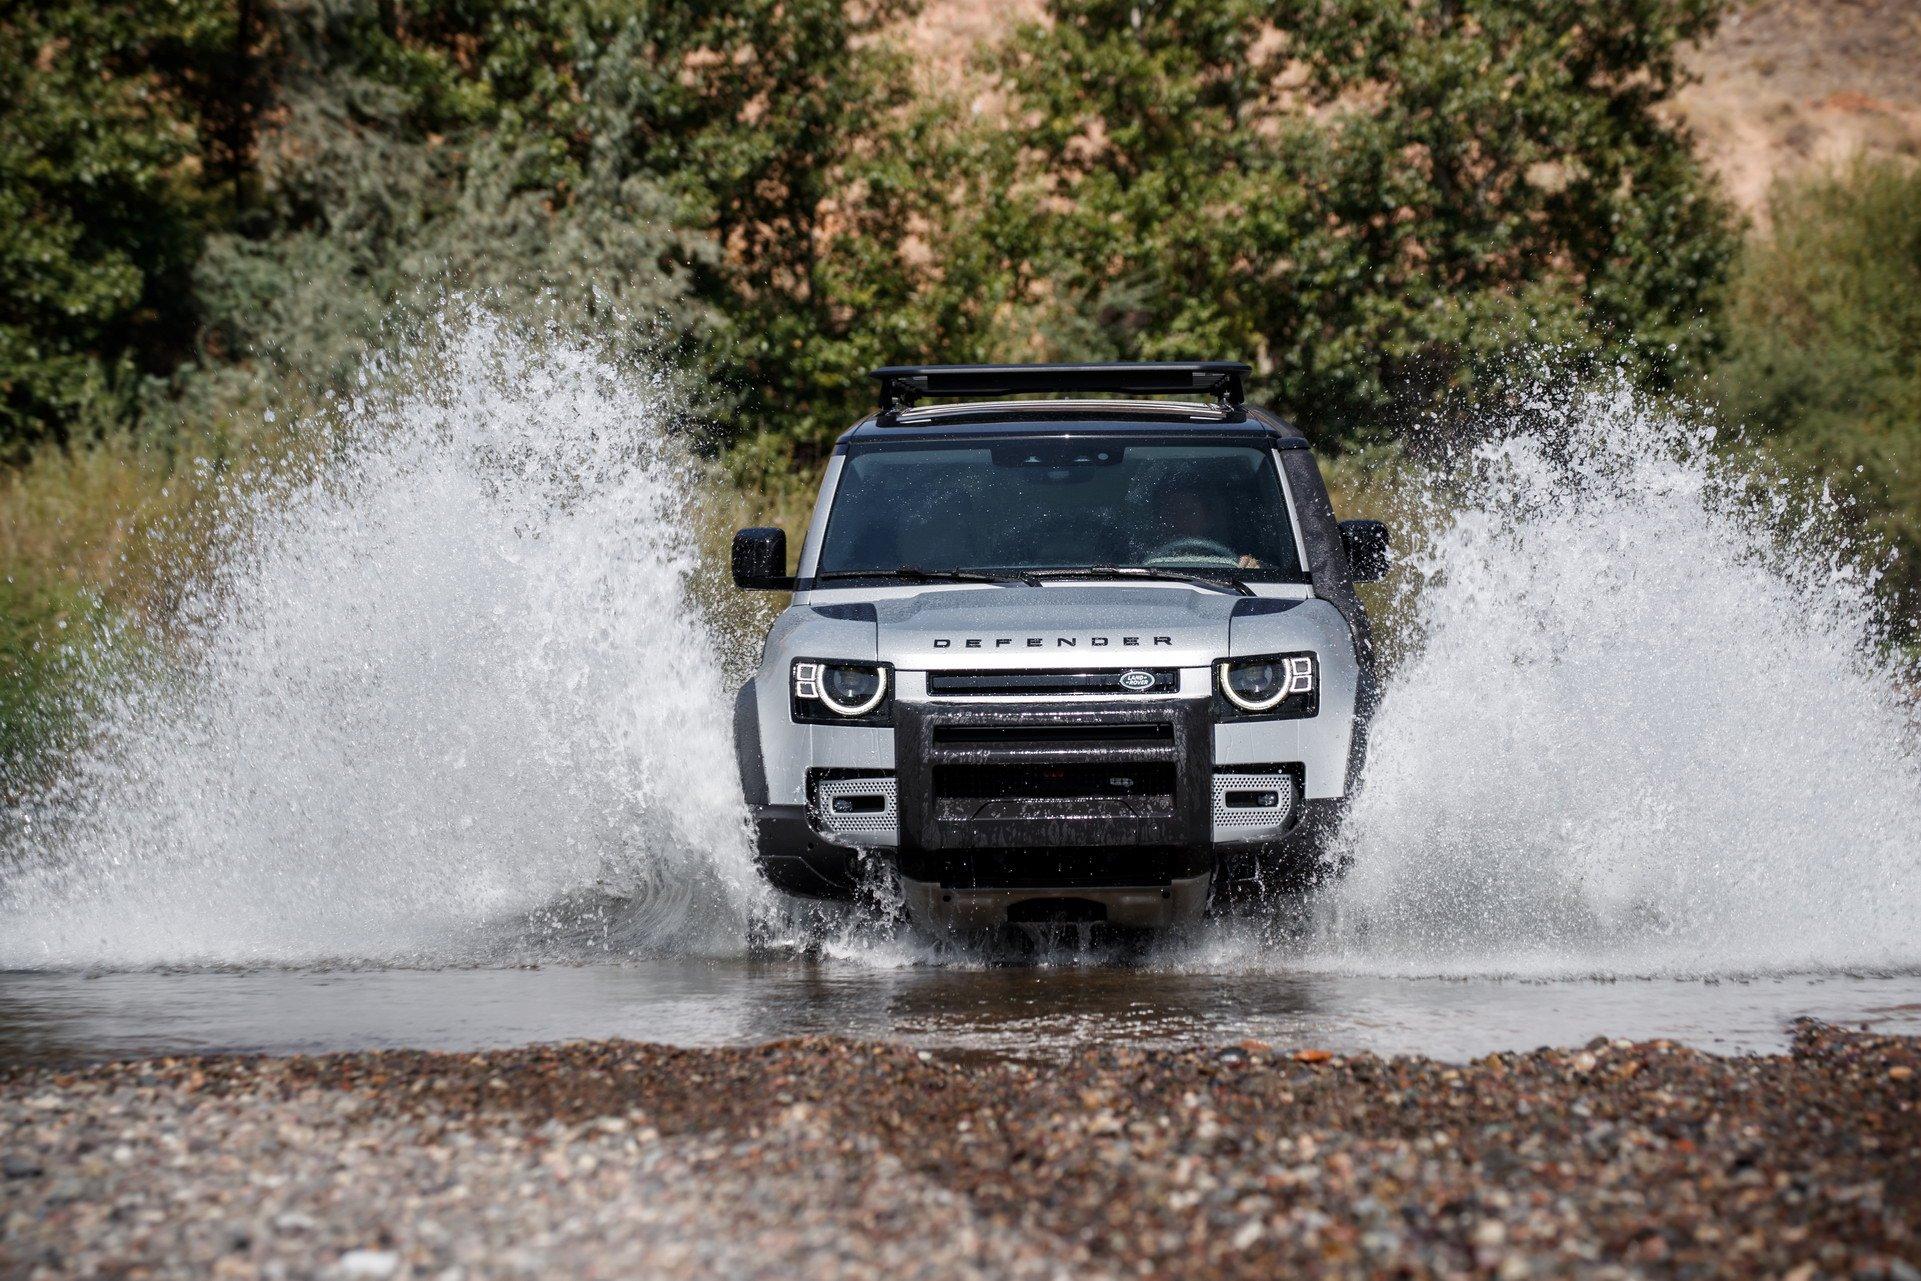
<point x="1093" y="659"/>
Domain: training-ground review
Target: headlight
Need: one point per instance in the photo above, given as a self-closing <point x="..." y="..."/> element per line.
<point x="1280" y="685"/>
<point x="829" y="691"/>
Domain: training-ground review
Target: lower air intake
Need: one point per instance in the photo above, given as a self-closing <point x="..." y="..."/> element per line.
<point x="1243" y="801"/>
<point x="857" y="806"/>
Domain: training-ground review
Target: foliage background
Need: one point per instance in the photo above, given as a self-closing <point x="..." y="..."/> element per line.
<point x="212" y="206"/>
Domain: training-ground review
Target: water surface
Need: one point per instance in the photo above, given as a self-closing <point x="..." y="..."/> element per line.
<point x="1014" y="1010"/>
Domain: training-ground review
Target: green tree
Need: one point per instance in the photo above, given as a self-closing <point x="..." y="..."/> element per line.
<point x="464" y="147"/>
<point x="705" y="171"/>
<point x="103" y="200"/>
<point x="1378" y="201"/>
<point x="790" y="130"/>
<point x="914" y="266"/>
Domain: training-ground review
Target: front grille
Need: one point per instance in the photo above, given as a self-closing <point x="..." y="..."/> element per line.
<point x="1108" y="684"/>
<point x="1116" y="776"/>
<point x="1152" y="733"/>
<point x="1251" y="800"/>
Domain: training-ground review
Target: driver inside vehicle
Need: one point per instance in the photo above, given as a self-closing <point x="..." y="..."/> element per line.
<point x="1190" y="526"/>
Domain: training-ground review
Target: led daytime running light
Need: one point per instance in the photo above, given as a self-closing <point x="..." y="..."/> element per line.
<point x="810" y="683"/>
<point x="1297" y="677"/>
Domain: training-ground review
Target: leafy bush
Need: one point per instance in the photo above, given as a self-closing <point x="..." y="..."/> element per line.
<point x="1823" y="362"/>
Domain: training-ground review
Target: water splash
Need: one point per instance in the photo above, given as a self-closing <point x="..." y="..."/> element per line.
<point x="447" y="700"/>
<point x="444" y="699"/>
<point x="1647" y="724"/>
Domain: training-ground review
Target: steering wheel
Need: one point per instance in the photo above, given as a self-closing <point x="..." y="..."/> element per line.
<point x="1188" y="549"/>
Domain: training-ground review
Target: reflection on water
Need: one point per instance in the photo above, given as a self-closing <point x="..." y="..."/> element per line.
<point x="1026" y="1011"/>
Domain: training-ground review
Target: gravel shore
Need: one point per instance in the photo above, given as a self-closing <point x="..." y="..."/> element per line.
<point x="839" y="1159"/>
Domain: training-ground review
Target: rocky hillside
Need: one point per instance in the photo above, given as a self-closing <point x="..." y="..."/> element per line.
<point x="1789" y="83"/>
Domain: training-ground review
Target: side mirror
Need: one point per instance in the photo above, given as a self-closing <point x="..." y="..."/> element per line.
<point x="1367" y="553"/>
<point x="760" y="559"/>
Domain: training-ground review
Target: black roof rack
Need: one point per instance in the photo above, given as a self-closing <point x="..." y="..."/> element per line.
<point x="902" y="385"/>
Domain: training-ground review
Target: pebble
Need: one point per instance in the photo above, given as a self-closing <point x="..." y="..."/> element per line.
<point x="825" y="1158"/>
<point x="365" y="1265"/>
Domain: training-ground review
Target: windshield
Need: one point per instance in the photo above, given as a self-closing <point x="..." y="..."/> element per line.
<point x="1061" y="504"/>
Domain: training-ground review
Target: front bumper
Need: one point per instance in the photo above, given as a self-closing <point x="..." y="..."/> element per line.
<point x="996" y="811"/>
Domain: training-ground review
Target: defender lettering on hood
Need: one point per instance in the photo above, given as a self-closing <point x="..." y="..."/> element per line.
<point x="1099" y="624"/>
<point x="1041" y="642"/>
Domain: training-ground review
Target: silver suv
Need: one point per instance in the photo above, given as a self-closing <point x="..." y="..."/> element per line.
<point x="1059" y="660"/>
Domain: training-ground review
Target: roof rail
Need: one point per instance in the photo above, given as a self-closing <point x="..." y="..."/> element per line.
<point x="902" y="385"/>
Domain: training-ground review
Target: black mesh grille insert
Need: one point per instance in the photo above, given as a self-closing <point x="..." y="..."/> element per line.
<point x="1149" y="732"/>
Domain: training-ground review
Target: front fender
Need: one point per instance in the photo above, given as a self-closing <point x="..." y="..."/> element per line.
<point x="753" y="770"/>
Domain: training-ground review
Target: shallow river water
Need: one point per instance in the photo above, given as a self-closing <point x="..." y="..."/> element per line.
<point x="1031" y="1011"/>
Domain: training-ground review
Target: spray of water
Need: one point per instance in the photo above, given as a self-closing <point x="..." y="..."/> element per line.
<point x="446" y="699"/>
<point x="443" y="698"/>
<point x="1647" y="724"/>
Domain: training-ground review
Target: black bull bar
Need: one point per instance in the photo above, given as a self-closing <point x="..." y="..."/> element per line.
<point x="1166" y="739"/>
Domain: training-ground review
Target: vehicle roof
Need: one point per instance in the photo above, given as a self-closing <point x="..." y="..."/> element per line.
<point x="1002" y="419"/>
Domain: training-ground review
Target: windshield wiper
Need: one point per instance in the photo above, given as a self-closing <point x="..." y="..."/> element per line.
<point x="1231" y="584"/>
<point x="915" y="574"/>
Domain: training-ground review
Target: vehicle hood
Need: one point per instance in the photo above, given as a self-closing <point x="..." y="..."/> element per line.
<point x="1098" y="625"/>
